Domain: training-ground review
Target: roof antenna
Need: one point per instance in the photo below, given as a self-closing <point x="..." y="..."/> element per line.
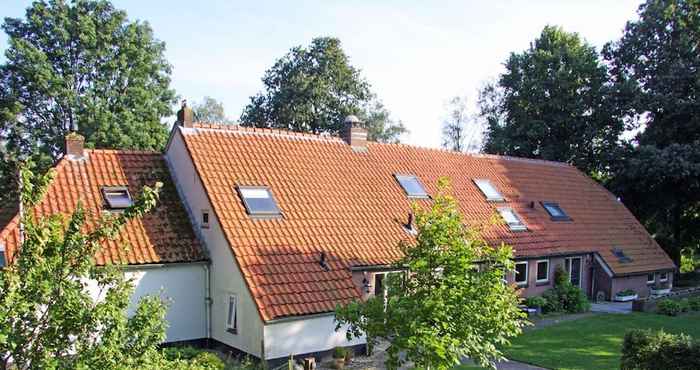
<point x="323" y="262"/>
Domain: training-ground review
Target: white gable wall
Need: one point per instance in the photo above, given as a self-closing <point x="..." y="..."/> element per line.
<point x="226" y="277"/>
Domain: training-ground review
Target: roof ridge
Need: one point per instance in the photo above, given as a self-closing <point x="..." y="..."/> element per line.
<point x="124" y="151"/>
<point x="264" y="131"/>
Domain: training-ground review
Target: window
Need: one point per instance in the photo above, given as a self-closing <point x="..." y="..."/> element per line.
<point x="663" y="276"/>
<point x="2" y="255"/>
<point x="205" y="219"/>
<point x="411" y="185"/>
<point x="378" y="284"/>
<point x="651" y="278"/>
<point x="258" y="201"/>
<point x="556" y="213"/>
<point x="542" y="271"/>
<point x="620" y="254"/>
<point x="572" y="266"/>
<point x="492" y="195"/>
<point x="232" y="319"/>
<point x="521" y="273"/>
<point x="511" y="218"/>
<point x="117" y="197"/>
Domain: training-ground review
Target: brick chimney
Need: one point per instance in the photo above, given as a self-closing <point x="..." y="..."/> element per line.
<point x="75" y="146"/>
<point x="185" y="116"/>
<point x="354" y="133"/>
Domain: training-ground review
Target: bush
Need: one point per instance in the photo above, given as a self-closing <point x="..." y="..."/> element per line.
<point x="669" y="307"/>
<point x="694" y="303"/>
<point x="535" y="302"/>
<point x="626" y="292"/>
<point x="564" y="297"/>
<point x="339" y="352"/>
<point x="646" y="350"/>
<point x="193" y="358"/>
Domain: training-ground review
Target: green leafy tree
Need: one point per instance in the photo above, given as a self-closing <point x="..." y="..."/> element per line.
<point x="309" y="89"/>
<point x="553" y="103"/>
<point x="49" y="319"/>
<point x="381" y="127"/>
<point x="84" y="65"/>
<point x="452" y="301"/>
<point x="210" y="110"/>
<point x="655" y="69"/>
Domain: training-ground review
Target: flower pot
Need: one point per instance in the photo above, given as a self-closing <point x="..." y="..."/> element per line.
<point x="339" y="363"/>
<point x="348" y="358"/>
<point x="626" y="298"/>
<point x="660" y="291"/>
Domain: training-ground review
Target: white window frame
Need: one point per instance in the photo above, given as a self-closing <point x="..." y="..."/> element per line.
<point x="653" y="280"/>
<point x="482" y="184"/>
<point x="232" y="313"/>
<point x="244" y="190"/>
<point x="408" y="177"/>
<point x="527" y="272"/>
<point x="107" y="191"/>
<point x="567" y="263"/>
<point x="663" y="279"/>
<point x="537" y="273"/>
<point x="513" y="227"/>
<point x="205" y="224"/>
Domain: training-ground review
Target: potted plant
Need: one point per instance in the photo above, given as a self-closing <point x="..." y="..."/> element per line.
<point x="339" y="357"/>
<point x="626" y="295"/>
<point x="660" y="288"/>
<point x="348" y="356"/>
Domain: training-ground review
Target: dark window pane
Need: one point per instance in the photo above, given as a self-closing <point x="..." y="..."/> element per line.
<point x="542" y="270"/>
<point x="379" y="285"/>
<point x="521" y="273"/>
<point x="576" y="271"/>
<point x="555" y="211"/>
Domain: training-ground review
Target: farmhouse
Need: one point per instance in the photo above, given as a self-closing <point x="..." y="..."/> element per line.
<point x="262" y="233"/>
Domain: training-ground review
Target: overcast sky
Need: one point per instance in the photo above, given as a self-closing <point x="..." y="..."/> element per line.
<point x="416" y="54"/>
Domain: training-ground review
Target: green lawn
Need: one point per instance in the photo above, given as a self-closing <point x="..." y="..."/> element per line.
<point x="592" y="342"/>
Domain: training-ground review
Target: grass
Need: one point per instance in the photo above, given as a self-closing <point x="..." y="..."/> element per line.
<point x="593" y="342"/>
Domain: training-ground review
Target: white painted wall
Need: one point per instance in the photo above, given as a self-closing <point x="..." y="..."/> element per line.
<point x="226" y="277"/>
<point x="183" y="287"/>
<point x="313" y="334"/>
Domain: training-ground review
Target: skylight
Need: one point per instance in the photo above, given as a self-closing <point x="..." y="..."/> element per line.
<point x="412" y="186"/>
<point x="512" y="220"/>
<point x="489" y="190"/>
<point x="555" y="211"/>
<point x="258" y="201"/>
<point x="621" y="256"/>
<point x="117" y="197"/>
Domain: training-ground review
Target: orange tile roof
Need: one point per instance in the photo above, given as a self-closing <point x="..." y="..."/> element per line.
<point x="164" y="235"/>
<point x="348" y="204"/>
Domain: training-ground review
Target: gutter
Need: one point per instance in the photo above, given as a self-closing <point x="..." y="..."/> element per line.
<point x="207" y="302"/>
<point x="161" y="265"/>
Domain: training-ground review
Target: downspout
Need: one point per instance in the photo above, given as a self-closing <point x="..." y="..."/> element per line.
<point x="207" y="303"/>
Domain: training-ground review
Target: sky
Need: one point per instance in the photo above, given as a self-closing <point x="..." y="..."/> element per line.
<point x="415" y="54"/>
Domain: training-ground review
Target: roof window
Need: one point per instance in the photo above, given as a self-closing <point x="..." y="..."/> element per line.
<point x="512" y="219"/>
<point x="490" y="191"/>
<point x="555" y="211"/>
<point x="258" y="201"/>
<point x="117" y="197"/>
<point x="412" y="186"/>
<point x="621" y="256"/>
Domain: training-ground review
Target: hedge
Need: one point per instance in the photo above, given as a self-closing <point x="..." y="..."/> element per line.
<point x="647" y="350"/>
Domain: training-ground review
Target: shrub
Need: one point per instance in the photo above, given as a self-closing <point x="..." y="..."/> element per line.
<point x="669" y="307"/>
<point x="193" y="358"/>
<point x="339" y="352"/>
<point x="646" y="350"/>
<point x="535" y="302"/>
<point x="694" y="303"/>
<point x="564" y="297"/>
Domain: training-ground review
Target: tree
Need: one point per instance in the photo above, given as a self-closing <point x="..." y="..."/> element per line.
<point x="309" y="89"/>
<point x="655" y="69"/>
<point x="451" y="302"/>
<point x="81" y="65"/>
<point x="460" y="131"/>
<point x="554" y="104"/>
<point x="380" y="126"/>
<point x="48" y="318"/>
<point x="210" y="110"/>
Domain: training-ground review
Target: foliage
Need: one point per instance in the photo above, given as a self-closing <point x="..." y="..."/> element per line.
<point x="564" y="296"/>
<point x="654" y="67"/>
<point x="694" y="303"/>
<point x="380" y="126"/>
<point x="193" y="358"/>
<point x="210" y="110"/>
<point x="339" y="352"/>
<point x="459" y="130"/>
<point x="647" y="350"/>
<point x="626" y="292"/>
<point x="535" y="302"/>
<point x="48" y="318"/>
<point x="689" y="261"/>
<point x="80" y="65"/>
<point x="553" y="103"/>
<point x="309" y="89"/>
<point x="669" y="307"/>
<point x="452" y="303"/>
<point x="593" y="342"/>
